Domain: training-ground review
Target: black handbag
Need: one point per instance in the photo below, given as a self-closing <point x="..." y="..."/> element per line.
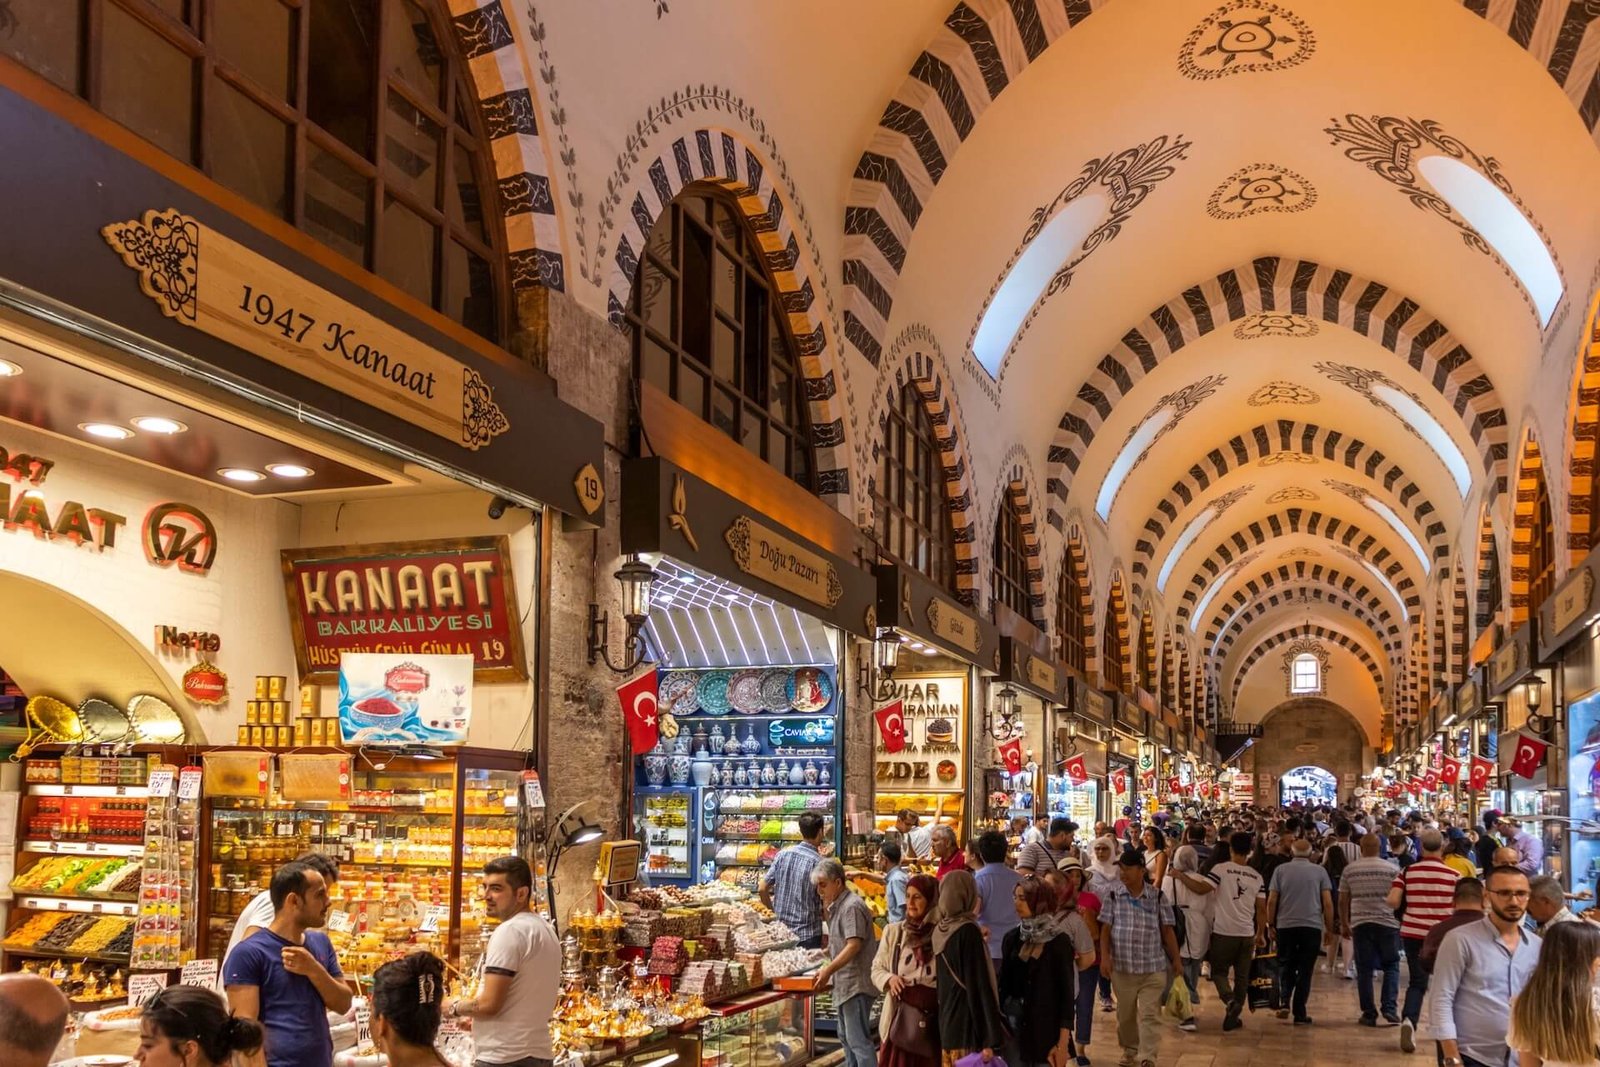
<point x="911" y="1031"/>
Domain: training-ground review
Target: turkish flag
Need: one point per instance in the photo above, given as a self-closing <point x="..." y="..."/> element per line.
<point x="1414" y="786"/>
<point x="1174" y="785"/>
<point x="1430" y="781"/>
<point x="1479" y="774"/>
<point x="1119" y="780"/>
<point x="640" y="707"/>
<point x="1011" y="752"/>
<point x="1529" y="757"/>
<point x="1450" y="773"/>
<point x="1077" y="770"/>
<point x="892" y="725"/>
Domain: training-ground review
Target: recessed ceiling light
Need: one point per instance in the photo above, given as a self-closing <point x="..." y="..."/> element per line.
<point x="158" y="424"/>
<point x="242" y="474"/>
<point x="9" y="369"/>
<point x="108" y="430"/>
<point x="289" y="470"/>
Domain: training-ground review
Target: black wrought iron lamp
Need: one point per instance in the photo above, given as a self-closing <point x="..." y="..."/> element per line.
<point x="885" y="658"/>
<point x="635" y="576"/>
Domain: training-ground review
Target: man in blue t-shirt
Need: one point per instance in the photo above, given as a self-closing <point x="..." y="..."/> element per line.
<point x="287" y="976"/>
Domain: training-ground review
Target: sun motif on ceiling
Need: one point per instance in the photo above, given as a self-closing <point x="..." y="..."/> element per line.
<point x="1281" y="392"/>
<point x="1286" y="457"/>
<point x="1258" y="189"/>
<point x="1243" y="36"/>
<point x="1275" y="324"/>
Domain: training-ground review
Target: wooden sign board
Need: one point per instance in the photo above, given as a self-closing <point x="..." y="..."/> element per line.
<point x="954" y="626"/>
<point x="766" y="554"/>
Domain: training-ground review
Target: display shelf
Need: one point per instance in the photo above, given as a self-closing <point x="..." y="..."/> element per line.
<point x="81" y="848"/>
<point x="62" y="954"/>
<point x="51" y="789"/>
<point x="117" y="905"/>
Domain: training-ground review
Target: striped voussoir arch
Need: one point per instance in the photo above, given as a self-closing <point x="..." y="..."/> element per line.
<point x="1117" y="629"/>
<point x="1530" y="472"/>
<point x="1459" y="621"/>
<point x="1076" y="556"/>
<point x="1439" y="636"/>
<point x="1149" y="667"/>
<point x="1284" y="583"/>
<point x="918" y="363"/>
<point x="1299" y="520"/>
<point x="1581" y="466"/>
<point x="1322" y="633"/>
<point x="1185" y="681"/>
<point x="1017" y="484"/>
<point x="1168" y="672"/>
<point x="981" y="49"/>
<point x="724" y="158"/>
<point x="1486" y="608"/>
<point x="1266" y="605"/>
<point x="1300" y="287"/>
<point x="496" y="67"/>
<point x="1286" y="435"/>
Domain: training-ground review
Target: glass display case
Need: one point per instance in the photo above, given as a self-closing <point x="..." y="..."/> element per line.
<point x="761" y="1030"/>
<point x="1583" y="779"/>
<point x="667" y="824"/>
<point x="1542" y="812"/>
<point x="1080" y="803"/>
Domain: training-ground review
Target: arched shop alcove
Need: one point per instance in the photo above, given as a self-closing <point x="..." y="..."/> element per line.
<point x="57" y="645"/>
<point x="1308" y="784"/>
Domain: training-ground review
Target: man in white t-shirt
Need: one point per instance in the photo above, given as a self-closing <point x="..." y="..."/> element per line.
<point x="1238" y="922"/>
<point x="521" y="970"/>
<point x="259" y="913"/>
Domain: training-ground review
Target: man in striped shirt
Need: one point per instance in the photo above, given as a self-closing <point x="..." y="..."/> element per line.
<point x="1037" y="857"/>
<point x="1427" y="888"/>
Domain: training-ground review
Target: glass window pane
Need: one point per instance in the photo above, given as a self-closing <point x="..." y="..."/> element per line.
<point x="258" y="38"/>
<point x="43" y="35"/>
<point x="696" y="325"/>
<point x="781" y="395"/>
<point x="692" y="389"/>
<point x="655" y="365"/>
<point x="751" y="432"/>
<point x="248" y="148"/>
<point x="408" y="250"/>
<point x="657" y="294"/>
<point x="778" y="445"/>
<point x="412" y="48"/>
<point x="340" y="87"/>
<point x="463" y="202"/>
<point x="724" y="412"/>
<point x="411" y="150"/>
<point x="755" y="355"/>
<point x="147" y="84"/>
<point x="469" y="295"/>
<point x="659" y="243"/>
<point x="724" y="351"/>
<point x="725" y="284"/>
<point x="337" y="202"/>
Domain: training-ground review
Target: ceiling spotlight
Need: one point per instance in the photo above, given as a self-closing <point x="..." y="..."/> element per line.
<point x="9" y="369"/>
<point x="107" y="430"/>
<point x="242" y="474"/>
<point x="289" y="470"/>
<point x="158" y="424"/>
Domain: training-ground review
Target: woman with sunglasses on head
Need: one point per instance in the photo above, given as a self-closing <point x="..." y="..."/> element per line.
<point x="407" y="996"/>
<point x="187" y="1026"/>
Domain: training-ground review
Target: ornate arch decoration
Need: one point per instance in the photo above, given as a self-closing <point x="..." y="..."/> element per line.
<point x="724" y="158"/>
<point x="1297" y="520"/>
<point x="1075" y="558"/>
<point x="1322" y="633"/>
<point x="1489" y="596"/>
<point x="1185" y="682"/>
<point x="1440" y="636"/>
<point x="1115" y="650"/>
<point x="1306" y="289"/>
<point x="916" y="360"/>
<point x="1285" y="438"/>
<point x="1017" y="480"/>
<point x="1263" y="606"/>
<point x="981" y="50"/>
<point x="1306" y="646"/>
<point x="1167" y="695"/>
<point x="1316" y="580"/>
<point x="1583" y="476"/>
<point x="1527" y="527"/>
<point x="1147" y="675"/>
<point x="1459" y="621"/>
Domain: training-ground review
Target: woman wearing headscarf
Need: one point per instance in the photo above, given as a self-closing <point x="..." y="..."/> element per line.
<point x="1037" y="966"/>
<point x="1103" y="878"/>
<point x="904" y="970"/>
<point x="969" y="1007"/>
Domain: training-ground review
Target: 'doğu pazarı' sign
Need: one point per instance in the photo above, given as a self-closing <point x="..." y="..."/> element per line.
<point x="769" y="555"/>
<point x="202" y="279"/>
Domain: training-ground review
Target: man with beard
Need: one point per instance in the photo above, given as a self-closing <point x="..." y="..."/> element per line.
<point x="1480" y="970"/>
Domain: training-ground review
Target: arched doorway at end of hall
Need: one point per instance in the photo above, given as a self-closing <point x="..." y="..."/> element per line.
<point x="1309" y="785"/>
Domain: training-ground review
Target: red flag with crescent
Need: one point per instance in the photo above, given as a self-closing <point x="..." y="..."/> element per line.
<point x="1478" y="777"/>
<point x="892" y="725"/>
<point x="1174" y="784"/>
<point x="1430" y="781"/>
<point x="641" y="710"/>
<point x="1450" y="771"/>
<point x="1119" y="780"/>
<point x="1077" y="769"/>
<point x="1011" y="753"/>
<point x="1529" y="756"/>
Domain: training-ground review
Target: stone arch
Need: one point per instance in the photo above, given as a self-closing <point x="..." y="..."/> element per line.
<point x="916" y="360"/>
<point x="1075" y="554"/>
<point x="1316" y="579"/>
<point x="728" y="160"/>
<point x="1321" y="633"/>
<point x="1530" y="475"/>
<point x="1489" y="596"/>
<point x="1301" y="287"/>
<point x="1298" y="520"/>
<point x="1439" y="636"/>
<point x="1273" y="438"/>
<point x="1017" y="481"/>
<point x="982" y="49"/>
<point x="1115" y="644"/>
<point x="1387" y="637"/>
<point x="1185" y="680"/>
<point x="1585" y="421"/>
<point x="1459" y="621"/>
<point x="1147" y="674"/>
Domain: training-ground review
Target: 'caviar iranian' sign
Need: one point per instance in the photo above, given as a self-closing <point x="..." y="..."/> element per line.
<point x="414" y="597"/>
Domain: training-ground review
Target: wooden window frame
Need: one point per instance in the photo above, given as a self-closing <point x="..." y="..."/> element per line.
<point x="912" y="522"/>
<point x="1069" y="615"/>
<point x="1010" y="562"/>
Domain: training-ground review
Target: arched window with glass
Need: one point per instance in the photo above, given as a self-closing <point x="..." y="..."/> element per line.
<point x="1010" y="570"/>
<point x="1541" y="547"/>
<point x="1146" y="654"/>
<point x="1113" y="653"/>
<point x="1306" y="674"/>
<point x="913" y="521"/>
<point x="351" y="120"/>
<point x="1071" y="596"/>
<point x="710" y="332"/>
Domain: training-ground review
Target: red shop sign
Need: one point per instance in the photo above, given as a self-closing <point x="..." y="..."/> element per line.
<point x="422" y="597"/>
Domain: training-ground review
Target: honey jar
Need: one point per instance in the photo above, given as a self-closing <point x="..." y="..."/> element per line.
<point x="275" y="687"/>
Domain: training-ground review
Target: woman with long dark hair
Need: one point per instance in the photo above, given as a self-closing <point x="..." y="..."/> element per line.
<point x="1555" y="1021"/>
<point x="904" y="970"/>
<point x="187" y="1026"/>
<point x="407" y="997"/>
<point x="969" y="1007"/>
<point x="1155" y="853"/>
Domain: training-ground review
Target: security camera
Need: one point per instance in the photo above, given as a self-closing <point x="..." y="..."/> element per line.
<point x="497" y="507"/>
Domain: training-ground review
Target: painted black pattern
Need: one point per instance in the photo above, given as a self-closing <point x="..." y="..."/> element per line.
<point x="1288" y="579"/>
<point x="1292" y="603"/>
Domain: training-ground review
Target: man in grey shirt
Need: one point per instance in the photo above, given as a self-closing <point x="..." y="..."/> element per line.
<point x="1365" y="916"/>
<point x="851" y="948"/>
<point x="1480" y="970"/>
<point x="1300" y="908"/>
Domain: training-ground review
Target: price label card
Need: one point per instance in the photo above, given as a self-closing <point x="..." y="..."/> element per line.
<point x="161" y="781"/>
<point x="363" y="1023"/>
<point x="189" y="783"/>
<point x="532" y="791"/>
<point x="141" y="987"/>
<point x="202" y="973"/>
<point x="431" y="916"/>
<point x="340" y="922"/>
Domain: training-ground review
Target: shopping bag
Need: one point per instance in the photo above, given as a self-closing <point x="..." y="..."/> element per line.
<point x="1266" y="991"/>
<point x="976" y="1060"/>
<point x="1177" y="1007"/>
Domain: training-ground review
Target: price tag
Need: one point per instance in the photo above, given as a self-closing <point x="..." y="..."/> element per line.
<point x="189" y="783"/>
<point x="202" y="973"/>
<point x="431" y="916"/>
<point x="363" y="1023"/>
<point x="340" y="922"/>
<point x="141" y="987"/>
<point x="161" y="782"/>
<point x="532" y="792"/>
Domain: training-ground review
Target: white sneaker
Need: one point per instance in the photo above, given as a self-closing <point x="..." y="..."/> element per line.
<point x="1408" y="1036"/>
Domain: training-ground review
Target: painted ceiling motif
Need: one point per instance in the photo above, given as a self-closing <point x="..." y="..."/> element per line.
<point x="1275" y="325"/>
<point x="1282" y="392"/>
<point x="1260" y="188"/>
<point x="1245" y="36"/>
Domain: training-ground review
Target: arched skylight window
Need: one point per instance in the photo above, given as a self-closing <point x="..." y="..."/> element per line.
<point x="1502" y="224"/>
<point x="1205" y="600"/>
<point x="1427" y="427"/>
<point x="1307" y="674"/>
<point x="1383" y="580"/>
<point x="1395" y="523"/>
<point x="1025" y="282"/>
<point x="1181" y="545"/>
<point x="1142" y="438"/>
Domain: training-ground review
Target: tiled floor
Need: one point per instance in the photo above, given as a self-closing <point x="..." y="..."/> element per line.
<point x="1266" y="1041"/>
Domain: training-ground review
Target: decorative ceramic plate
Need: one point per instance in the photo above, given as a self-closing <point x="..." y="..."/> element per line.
<point x="809" y="690"/>
<point x="713" y="692"/>
<point x="678" y="692"/>
<point x="775" y="689"/>
<point x="744" y="692"/>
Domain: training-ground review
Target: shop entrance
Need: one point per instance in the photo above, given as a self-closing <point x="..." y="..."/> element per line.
<point x="1308" y="785"/>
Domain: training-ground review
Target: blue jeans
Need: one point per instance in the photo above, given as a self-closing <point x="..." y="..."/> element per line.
<point x="855" y="1031"/>
<point x="1087" y="981"/>
<point x="1417" y="986"/>
<point x="1377" y="946"/>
